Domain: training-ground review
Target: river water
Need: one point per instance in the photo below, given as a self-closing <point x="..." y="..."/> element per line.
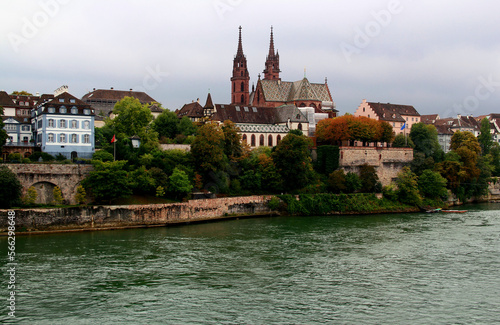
<point x="379" y="269"/>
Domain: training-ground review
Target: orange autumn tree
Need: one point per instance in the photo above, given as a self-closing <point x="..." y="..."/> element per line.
<point x="353" y="128"/>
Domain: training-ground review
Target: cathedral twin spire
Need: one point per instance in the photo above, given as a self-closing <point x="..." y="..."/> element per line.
<point x="240" y="80"/>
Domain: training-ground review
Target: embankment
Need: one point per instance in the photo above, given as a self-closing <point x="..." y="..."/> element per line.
<point x="105" y="217"/>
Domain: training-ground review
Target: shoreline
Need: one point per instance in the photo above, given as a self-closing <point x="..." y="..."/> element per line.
<point x="102" y="218"/>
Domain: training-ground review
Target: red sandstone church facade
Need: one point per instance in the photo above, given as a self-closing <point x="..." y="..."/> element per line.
<point x="271" y="91"/>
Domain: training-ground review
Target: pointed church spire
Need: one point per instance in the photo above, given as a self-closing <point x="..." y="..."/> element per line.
<point x="271" y="44"/>
<point x="240" y="46"/>
<point x="272" y="66"/>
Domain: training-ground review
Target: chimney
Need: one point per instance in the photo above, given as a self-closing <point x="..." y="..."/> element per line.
<point x="198" y="100"/>
<point x="112" y="88"/>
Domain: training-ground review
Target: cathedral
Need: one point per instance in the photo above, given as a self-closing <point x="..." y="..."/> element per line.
<point x="271" y="91"/>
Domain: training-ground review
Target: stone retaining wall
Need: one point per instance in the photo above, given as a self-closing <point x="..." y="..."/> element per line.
<point x="136" y="215"/>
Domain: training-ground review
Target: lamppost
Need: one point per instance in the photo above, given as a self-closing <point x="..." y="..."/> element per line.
<point x="136" y="141"/>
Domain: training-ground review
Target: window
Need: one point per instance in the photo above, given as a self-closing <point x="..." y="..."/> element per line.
<point x="40" y="124"/>
<point x="363" y="109"/>
<point x="86" y="138"/>
<point x="63" y="109"/>
<point x="242" y="86"/>
<point x="394" y="124"/>
<point x="253" y="140"/>
<point x="278" y="139"/>
<point x="25" y="139"/>
<point x="50" y="137"/>
<point x="242" y="99"/>
<point x="74" y="138"/>
<point x="270" y="140"/>
<point x="61" y="100"/>
<point x="300" y="126"/>
<point x="26" y="128"/>
<point x="10" y="127"/>
<point x="72" y="101"/>
<point x="86" y="125"/>
<point x="39" y="138"/>
<point x="62" y="138"/>
<point x="62" y="124"/>
<point x="261" y="140"/>
<point x="74" y="124"/>
<point x="244" y="138"/>
<point x="52" y="109"/>
<point x="74" y="110"/>
<point x="86" y="111"/>
<point x="51" y="124"/>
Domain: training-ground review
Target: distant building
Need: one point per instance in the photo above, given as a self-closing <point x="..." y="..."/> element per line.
<point x="194" y="111"/>
<point x="272" y="91"/>
<point x="64" y="125"/>
<point x="396" y="115"/>
<point x="17" y="123"/>
<point x="103" y="100"/>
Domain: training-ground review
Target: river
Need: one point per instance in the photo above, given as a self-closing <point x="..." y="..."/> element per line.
<point x="378" y="269"/>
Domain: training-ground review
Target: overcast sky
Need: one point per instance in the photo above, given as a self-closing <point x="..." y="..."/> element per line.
<point x="439" y="56"/>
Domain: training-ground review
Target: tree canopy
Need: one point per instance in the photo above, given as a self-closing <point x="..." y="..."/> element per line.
<point x="10" y="188"/>
<point x="3" y="133"/>
<point x="425" y="139"/>
<point x="354" y="128"/>
<point x="485" y="137"/>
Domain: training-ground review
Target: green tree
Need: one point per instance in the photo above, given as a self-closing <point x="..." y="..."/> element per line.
<point x="485" y="138"/>
<point x="179" y="183"/>
<point x="407" y="191"/>
<point x="142" y="182"/>
<point x="133" y="118"/>
<point x="432" y="185"/>
<point x="166" y="124"/>
<point x="102" y="156"/>
<point x="81" y="195"/>
<point x="107" y="181"/>
<point x="369" y="178"/>
<point x="337" y="181"/>
<point x="232" y="140"/>
<point x="293" y="161"/>
<point x="21" y="93"/>
<point x="352" y="182"/>
<point x="208" y="149"/>
<point x="425" y="139"/>
<point x="3" y="133"/>
<point x="401" y="141"/>
<point x="10" y="188"/>
<point x="186" y="126"/>
<point x="386" y="132"/>
<point x="495" y="159"/>
<point x="30" y="197"/>
<point x="58" y="198"/>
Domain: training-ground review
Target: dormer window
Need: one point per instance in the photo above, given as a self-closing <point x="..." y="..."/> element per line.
<point x="86" y="111"/>
<point x="63" y="109"/>
<point x="52" y="109"/>
<point x="74" y="110"/>
<point x="72" y="101"/>
<point x="61" y="100"/>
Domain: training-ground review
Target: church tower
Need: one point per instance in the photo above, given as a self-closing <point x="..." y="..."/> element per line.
<point x="272" y="70"/>
<point x="240" y="80"/>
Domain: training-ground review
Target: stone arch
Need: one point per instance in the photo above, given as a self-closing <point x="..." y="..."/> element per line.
<point x="45" y="192"/>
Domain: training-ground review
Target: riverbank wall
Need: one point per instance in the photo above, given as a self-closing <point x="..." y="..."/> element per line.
<point x="129" y="216"/>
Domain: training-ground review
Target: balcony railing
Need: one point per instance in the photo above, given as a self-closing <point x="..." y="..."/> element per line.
<point x="19" y="144"/>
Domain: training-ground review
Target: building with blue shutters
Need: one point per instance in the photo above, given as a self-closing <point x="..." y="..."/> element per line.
<point x="64" y="125"/>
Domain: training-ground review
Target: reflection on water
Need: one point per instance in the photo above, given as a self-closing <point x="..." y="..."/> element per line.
<point x="402" y="268"/>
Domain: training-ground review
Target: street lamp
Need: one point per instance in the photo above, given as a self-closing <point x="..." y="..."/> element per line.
<point x="136" y="141"/>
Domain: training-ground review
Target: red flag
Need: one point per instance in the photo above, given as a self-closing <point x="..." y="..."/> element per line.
<point x="114" y="139"/>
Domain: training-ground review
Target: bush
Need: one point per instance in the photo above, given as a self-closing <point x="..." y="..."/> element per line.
<point x="274" y="203"/>
<point x="60" y="157"/>
<point x="389" y="192"/>
<point x="14" y="157"/>
<point x="102" y="155"/>
<point x="10" y="188"/>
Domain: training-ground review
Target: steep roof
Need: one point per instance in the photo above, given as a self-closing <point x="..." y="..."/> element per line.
<point x="5" y="100"/>
<point x="429" y="119"/>
<point x="285" y="91"/>
<point x="393" y="112"/>
<point x="117" y="95"/>
<point x="209" y="103"/>
<point x="193" y="109"/>
<point x="258" y="115"/>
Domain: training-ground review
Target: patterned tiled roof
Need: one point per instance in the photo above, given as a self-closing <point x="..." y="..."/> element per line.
<point x="285" y="91"/>
<point x="263" y="128"/>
